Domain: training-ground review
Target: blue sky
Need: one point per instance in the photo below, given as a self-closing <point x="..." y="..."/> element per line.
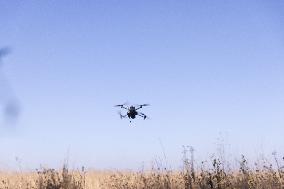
<point x="207" y="68"/>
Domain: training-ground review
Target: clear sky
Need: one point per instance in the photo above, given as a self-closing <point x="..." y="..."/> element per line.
<point x="208" y="68"/>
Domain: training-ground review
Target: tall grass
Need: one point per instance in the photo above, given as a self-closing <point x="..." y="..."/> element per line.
<point x="212" y="174"/>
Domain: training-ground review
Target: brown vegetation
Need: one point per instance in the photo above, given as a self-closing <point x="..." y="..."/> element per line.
<point x="262" y="175"/>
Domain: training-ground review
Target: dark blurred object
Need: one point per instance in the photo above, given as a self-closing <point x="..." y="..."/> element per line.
<point x="132" y="111"/>
<point x="11" y="111"/>
<point x="4" y="51"/>
<point x="9" y="104"/>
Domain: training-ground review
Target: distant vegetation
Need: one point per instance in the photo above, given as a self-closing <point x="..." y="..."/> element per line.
<point x="214" y="174"/>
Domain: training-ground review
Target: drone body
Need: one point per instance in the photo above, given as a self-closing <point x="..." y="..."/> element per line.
<point x="132" y="111"/>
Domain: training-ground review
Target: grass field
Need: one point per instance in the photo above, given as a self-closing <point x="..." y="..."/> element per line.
<point x="210" y="175"/>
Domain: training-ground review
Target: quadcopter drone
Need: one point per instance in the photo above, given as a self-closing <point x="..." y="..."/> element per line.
<point x="132" y="111"/>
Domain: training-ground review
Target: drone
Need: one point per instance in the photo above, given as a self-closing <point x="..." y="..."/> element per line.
<point x="132" y="111"/>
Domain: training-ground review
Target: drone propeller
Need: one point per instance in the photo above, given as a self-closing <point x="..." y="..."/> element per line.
<point x="144" y="105"/>
<point x="121" y="105"/>
<point x="139" y="106"/>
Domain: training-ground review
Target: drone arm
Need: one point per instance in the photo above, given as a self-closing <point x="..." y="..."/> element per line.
<point x="142" y="115"/>
<point x="121" y="116"/>
<point x="124" y="107"/>
<point x="139" y="108"/>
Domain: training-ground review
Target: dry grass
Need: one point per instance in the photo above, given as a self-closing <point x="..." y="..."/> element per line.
<point x="213" y="175"/>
